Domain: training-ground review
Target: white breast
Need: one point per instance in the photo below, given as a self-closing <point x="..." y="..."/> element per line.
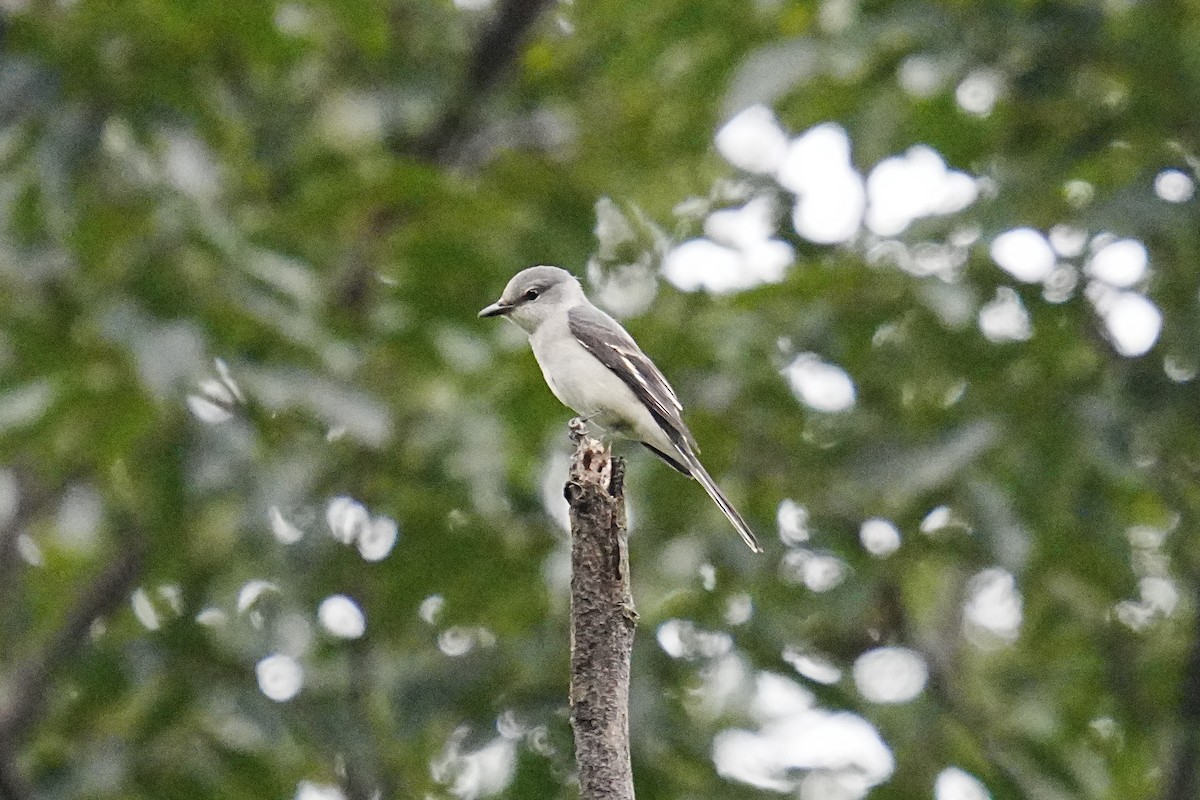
<point x="589" y="388"/>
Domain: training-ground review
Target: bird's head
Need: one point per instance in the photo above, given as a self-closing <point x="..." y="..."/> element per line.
<point x="535" y="294"/>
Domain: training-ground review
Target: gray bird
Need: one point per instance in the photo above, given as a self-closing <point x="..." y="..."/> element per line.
<point x="596" y="369"/>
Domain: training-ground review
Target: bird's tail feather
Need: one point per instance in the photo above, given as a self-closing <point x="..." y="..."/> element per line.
<point x="739" y="524"/>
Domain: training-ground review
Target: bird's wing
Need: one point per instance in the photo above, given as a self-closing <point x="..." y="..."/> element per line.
<point x="604" y="338"/>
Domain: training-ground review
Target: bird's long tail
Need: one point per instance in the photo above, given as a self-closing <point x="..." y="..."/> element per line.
<point x="701" y="474"/>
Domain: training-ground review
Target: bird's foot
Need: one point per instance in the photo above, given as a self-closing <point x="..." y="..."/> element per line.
<point x="577" y="428"/>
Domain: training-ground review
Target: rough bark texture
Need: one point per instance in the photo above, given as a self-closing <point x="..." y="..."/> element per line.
<point x="602" y="621"/>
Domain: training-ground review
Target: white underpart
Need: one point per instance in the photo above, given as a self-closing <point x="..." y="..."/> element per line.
<point x="582" y="383"/>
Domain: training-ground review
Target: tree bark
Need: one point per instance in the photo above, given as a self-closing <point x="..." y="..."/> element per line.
<point x="602" y="620"/>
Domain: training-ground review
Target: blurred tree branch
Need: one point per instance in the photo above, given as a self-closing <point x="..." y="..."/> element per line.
<point x="941" y="656"/>
<point x="602" y="620"/>
<point x="26" y="685"/>
<point x="443" y="144"/>
<point x="493" y="56"/>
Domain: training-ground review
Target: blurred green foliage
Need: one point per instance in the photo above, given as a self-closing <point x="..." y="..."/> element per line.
<point x="321" y="195"/>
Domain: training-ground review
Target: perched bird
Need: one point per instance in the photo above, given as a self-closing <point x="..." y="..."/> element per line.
<point x="596" y="369"/>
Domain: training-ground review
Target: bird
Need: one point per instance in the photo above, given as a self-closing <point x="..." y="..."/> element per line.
<point x="595" y="368"/>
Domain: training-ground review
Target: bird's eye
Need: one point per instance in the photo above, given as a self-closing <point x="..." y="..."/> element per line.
<point x="530" y="295"/>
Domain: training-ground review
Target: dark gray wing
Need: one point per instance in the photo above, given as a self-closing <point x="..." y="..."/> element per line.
<point x="603" y="337"/>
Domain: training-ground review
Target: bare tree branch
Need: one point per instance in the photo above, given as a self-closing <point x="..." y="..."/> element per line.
<point x="602" y="621"/>
<point x="28" y="683"/>
<point x="491" y="60"/>
<point x="446" y="141"/>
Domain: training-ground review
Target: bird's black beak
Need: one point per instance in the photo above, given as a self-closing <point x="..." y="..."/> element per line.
<point x="496" y="309"/>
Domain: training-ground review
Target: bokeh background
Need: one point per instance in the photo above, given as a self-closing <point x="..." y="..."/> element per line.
<point x="280" y="517"/>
